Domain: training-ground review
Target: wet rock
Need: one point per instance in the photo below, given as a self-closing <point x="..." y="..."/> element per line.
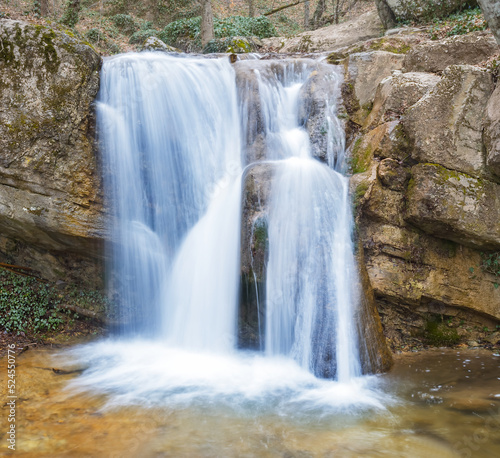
<point x="319" y="99"/>
<point x="454" y="206"/>
<point x="393" y="175"/>
<point x="50" y="186"/>
<point x="470" y="405"/>
<point x="491" y="11"/>
<point x="385" y="141"/>
<point x="257" y="182"/>
<point x="396" y="44"/>
<point x="398" y="92"/>
<point x="493" y="339"/>
<point x="374" y="351"/>
<point x="435" y="56"/>
<point x="364" y="72"/>
<point x="234" y="45"/>
<point x="492" y="132"/>
<point x="445" y="126"/>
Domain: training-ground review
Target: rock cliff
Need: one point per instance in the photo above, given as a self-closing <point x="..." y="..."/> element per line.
<point x="424" y="156"/>
<point x="51" y="212"/>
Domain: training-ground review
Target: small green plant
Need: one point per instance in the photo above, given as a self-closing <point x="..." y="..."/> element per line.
<point x="125" y="23"/>
<point x="27" y="304"/>
<point x="490" y="262"/>
<point x="70" y="17"/>
<point x="94" y="35"/>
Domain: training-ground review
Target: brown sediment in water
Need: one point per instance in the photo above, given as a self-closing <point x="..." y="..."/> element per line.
<point x="449" y="403"/>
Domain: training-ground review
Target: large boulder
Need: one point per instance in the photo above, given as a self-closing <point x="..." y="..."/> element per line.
<point x="398" y="92"/>
<point x="414" y="275"/>
<point x="455" y="206"/>
<point x="421" y="10"/>
<point x="364" y="72"/>
<point x="435" y="56"/>
<point x="446" y="125"/>
<point x="491" y="11"/>
<point x="335" y="36"/>
<point x="492" y="132"/>
<point x="50" y="186"/>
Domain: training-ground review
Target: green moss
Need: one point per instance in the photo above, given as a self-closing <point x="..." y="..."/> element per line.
<point x="260" y="236"/>
<point x="359" y="194"/>
<point x="439" y="334"/>
<point x="361" y="157"/>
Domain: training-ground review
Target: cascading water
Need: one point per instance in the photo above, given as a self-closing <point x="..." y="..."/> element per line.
<point x="179" y="136"/>
<point x="173" y="177"/>
<point x="310" y="303"/>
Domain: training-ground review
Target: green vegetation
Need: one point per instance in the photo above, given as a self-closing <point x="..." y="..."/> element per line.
<point x="490" y="262"/>
<point x="361" y="157"/>
<point x="439" y="334"/>
<point x="459" y="24"/>
<point x="27" y="304"/>
<point x="227" y="27"/>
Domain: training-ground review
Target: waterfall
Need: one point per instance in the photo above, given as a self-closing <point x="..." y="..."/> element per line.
<point x="171" y="140"/>
<point x="182" y="139"/>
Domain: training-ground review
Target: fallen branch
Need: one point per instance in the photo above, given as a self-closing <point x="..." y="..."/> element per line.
<point x="19" y="270"/>
<point x="281" y="8"/>
<point x="88" y="314"/>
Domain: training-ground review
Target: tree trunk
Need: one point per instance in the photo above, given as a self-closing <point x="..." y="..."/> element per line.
<point x="207" y="22"/>
<point x="251" y="8"/>
<point x="306" y="15"/>
<point x="44" y="7"/>
<point x="320" y="9"/>
<point x="386" y="14"/>
<point x="491" y="11"/>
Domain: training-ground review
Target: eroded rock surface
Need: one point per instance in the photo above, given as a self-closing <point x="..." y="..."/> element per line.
<point x="435" y="56"/>
<point x="446" y="125"/>
<point x="50" y="186"/>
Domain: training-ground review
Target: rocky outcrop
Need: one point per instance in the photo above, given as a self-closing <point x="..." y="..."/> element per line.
<point x="421" y="10"/>
<point x="435" y="56"/>
<point x="398" y="92"/>
<point x="328" y="38"/>
<point x="50" y="186"/>
<point x="454" y="206"/>
<point x="364" y="72"/>
<point x="446" y="125"/>
<point x="492" y="132"/>
<point x="491" y="11"/>
<point x="428" y="200"/>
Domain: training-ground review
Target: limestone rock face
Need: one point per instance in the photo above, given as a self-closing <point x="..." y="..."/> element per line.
<point x="50" y="187"/>
<point x="435" y="56"/>
<point x="446" y="125"/>
<point x="491" y="11"/>
<point x="364" y="72"/>
<point x="454" y="206"/>
<point x="335" y="36"/>
<point x="414" y="274"/>
<point x="492" y="132"/>
<point x="398" y="92"/>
